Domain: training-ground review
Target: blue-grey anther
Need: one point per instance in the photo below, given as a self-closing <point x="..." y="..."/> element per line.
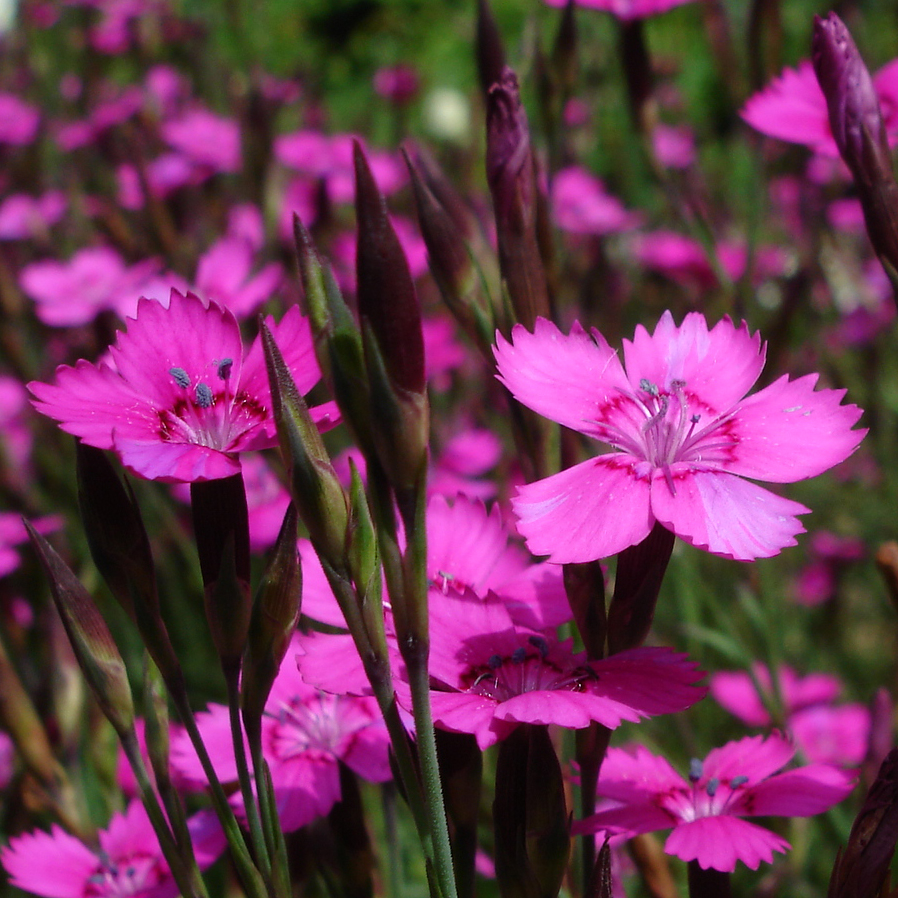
<point x="540" y="645"/>
<point x="224" y="368"/>
<point x="519" y="655"/>
<point x="738" y="781"/>
<point x="646" y="385"/>
<point x="712" y="786"/>
<point x="204" y="397"/>
<point x="182" y="378"/>
<point x="695" y="770"/>
<point x="495" y="662"/>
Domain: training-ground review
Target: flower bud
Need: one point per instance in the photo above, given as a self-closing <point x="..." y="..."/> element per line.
<point x="512" y="181"/>
<point x="863" y="867"/>
<point x="92" y="643"/>
<point x="386" y="293"/>
<point x="274" y="619"/>
<point x="490" y="52"/>
<point x="530" y="816"/>
<point x="856" y="123"/>
<point x="314" y="484"/>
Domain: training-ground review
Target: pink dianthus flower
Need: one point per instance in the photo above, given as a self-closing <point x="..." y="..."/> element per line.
<point x="684" y="438"/>
<point x="129" y="861"/>
<point x="182" y="400"/>
<point x="491" y="674"/>
<point x="737" y="780"/>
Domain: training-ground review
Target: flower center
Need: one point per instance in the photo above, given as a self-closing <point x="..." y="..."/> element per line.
<point x="707" y="797"/>
<point x="665" y="427"/>
<point x="209" y="414"/>
<point x="527" y="669"/>
<point x="321" y="725"/>
<point x="132" y="876"/>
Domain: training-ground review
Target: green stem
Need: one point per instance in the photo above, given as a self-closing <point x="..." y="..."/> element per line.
<point x="249" y="873"/>
<point x="246" y="787"/>
<point x="419" y="680"/>
<point x="183" y="869"/>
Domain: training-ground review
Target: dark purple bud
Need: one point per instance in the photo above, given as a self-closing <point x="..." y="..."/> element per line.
<point x="850" y="95"/>
<point x="856" y="124"/>
<point x="863" y="867"/>
<point x="510" y="172"/>
<point x="386" y="293"/>
<point x="490" y="52"/>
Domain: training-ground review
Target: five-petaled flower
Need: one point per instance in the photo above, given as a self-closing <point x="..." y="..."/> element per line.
<point x="683" y="437"/>
<point x="737" y="780"/>
<point x="182" y="400"/>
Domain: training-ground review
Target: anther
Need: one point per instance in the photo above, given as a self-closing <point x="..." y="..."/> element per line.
<point x="495" y="662"/>
<point x="519" y="655"/>
<point x="646" y="385"/>
<point x="224" y="368"/>
<point x="695" y="770"/>
<point x="540" y="645"/>
<point x="182" y="378"/>
<point x="712" y="786"/>
<point x="738" y="781"/>
<point x="204" y="396"/>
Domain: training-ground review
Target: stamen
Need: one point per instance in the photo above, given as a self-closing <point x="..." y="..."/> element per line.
<point x="738" y="781"/>
<point x="495" y="662"/>
<point x="204" y="397"/>
<point x="540" y="645"/>
<point x="648" y="387"/>
<point x="712" y="786"/>
<point x="519" y="655"/>
<point x="224" y="368"/>
<point x="695" y="770"/>
<point x="182" y="378"/>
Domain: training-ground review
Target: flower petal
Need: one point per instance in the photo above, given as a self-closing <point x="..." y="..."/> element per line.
<point x="796" y="793"/>
<point x="725" y="514"/>
<point x="717" y="843"/>
<point x="52" y="864"/>
<point x="789" y="431"/>
<point x="592" y="510"/>
<point x="719" y="366"/>
<point x="563" y="377"/>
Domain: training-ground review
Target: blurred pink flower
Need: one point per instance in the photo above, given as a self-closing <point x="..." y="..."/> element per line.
<point x="183" y="400"/>
<point x="128" y="862"/>
<point x="685" y="261"/>
<point x="682" y="434"/>
<point x="206" y="139"/>
<point x="627" y="10"/>
<point x="828" y="555"/>
<point x="96" y="279"/>
<point x="306" y="736"/>
<point x="674" y="146"/>
<point x="398" y="83"/>
<point x="23" y="217"/>
<point x="13" y="533"/>
<point x="19" y="120"/>
<point x="329" y="158"/>
<point x="792" y="107"/>
<point x="646" y="794"/>
<point x="826" y="733"/>
<point x="581" y="205"/>
<point x="460" y="466"/>
<point x="491" y="675"/>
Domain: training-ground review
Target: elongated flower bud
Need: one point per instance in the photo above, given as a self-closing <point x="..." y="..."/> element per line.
<point x="856" y="123"/>
<point x="314" y="484"/>
<point x="93" y="645"/>
<point x="274" y="619"/>
<point x="512" y="182"/>
<point x="390" y="320"/>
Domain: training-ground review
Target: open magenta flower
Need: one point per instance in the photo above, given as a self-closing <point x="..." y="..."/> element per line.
<point x="489" y="675"/>
<point x="737" y="780"/>
<point x="182" y="400"/>
<point x="627" y="10"/>
<point x="682" y="436"/>
<point x="129" y="861"/>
